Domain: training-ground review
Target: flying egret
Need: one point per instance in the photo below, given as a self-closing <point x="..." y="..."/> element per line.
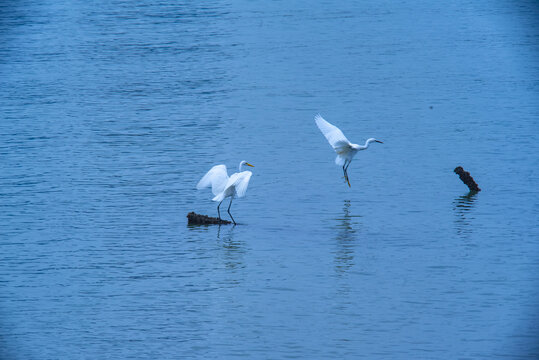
<point x="224" y="186"/>
<point x="343" y="147"/>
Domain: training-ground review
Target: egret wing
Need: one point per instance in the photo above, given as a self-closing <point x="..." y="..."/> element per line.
<point x="333" y="134"/>
<point x="240" y="181"/>
<point x="217" y="178"/>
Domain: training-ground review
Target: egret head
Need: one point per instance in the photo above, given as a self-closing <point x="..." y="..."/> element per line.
<point x="245" y="163"/>
<point x="374" y="140"/>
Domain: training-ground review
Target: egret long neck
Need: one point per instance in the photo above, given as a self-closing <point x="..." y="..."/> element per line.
<point x="363" y="147"/>
<point x="366" y="144"/>
<point x="239" y="167"/>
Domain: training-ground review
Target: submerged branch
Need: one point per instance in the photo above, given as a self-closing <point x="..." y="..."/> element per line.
<point x="466" y="179"/>
<point x="198" y="219"/>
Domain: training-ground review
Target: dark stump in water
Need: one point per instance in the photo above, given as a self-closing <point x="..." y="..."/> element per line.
<point x="466" y="179"/>
<point x="198" y="219"/>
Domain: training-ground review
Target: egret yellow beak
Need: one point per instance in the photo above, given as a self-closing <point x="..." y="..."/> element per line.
<point x="249" y="164"/>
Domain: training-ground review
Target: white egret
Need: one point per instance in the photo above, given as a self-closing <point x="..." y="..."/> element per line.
<point x="224" y="186"/>
<point x="343" y="147"/>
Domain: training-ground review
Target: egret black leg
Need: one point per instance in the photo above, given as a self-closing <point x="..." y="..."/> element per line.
<point x="346" y="173"/>
<point x="218" y="212"/>
<point x="229" y="205"/>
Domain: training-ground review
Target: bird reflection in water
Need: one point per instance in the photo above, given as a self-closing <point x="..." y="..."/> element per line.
<point x="463" y="206"/>
<point x="346" y="238"/>
<point x="233" y="250"/>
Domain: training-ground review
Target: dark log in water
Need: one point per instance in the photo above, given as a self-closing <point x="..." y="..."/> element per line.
<point x="466" y="178"/>
<point x="198" y="219"/>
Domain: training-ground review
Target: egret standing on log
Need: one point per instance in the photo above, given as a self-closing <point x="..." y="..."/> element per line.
<point x="224" y="186"/>
<point x="343" y="147"/>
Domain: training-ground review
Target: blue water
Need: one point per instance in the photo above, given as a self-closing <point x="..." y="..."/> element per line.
<point x="112" y="111"/>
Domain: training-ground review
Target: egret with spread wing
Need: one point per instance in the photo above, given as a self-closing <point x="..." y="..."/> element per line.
<point x="223" y="186"/>
<point x="343" y="147"/>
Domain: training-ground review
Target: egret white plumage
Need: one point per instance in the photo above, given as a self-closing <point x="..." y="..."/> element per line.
<point x="223" y="186"/>
<point x="343" y="147"/>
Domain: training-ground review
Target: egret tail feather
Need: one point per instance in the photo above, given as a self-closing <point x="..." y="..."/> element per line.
<point x="219" y="197"/>
<point x="339" y="160"/>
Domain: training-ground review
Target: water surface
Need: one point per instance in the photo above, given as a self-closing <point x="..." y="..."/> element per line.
<point x="111" y="112"/>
